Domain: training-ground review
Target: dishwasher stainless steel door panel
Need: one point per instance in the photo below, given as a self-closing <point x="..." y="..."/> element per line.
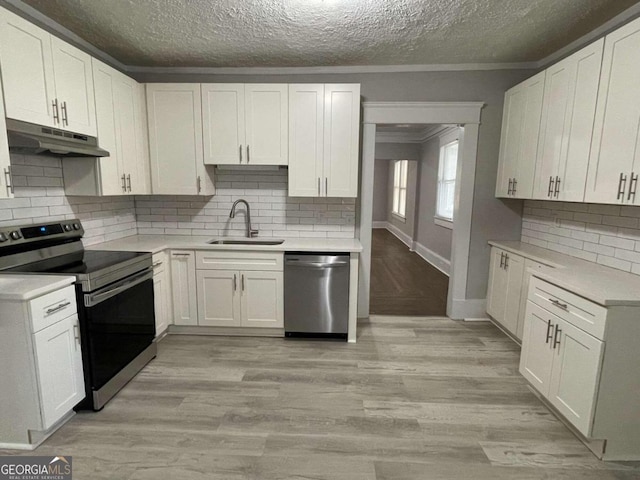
<point x="316" y="295"/>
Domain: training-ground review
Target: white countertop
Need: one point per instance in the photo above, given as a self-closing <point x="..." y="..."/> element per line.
<point x="26" y="287"/>
<point x="158" y="243"/>
<point x="598" y="283"/>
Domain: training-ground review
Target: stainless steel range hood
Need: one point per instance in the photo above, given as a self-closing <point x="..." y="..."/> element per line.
<point x="36" y="139"/>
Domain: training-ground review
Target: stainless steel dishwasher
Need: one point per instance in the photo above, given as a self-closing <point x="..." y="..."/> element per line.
<point x="316" y="295"/>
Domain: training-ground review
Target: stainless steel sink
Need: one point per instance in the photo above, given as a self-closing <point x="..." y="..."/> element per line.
<point x="246" y="242"/>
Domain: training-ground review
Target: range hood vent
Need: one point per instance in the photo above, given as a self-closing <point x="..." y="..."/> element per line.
<point x="38" y="140"/>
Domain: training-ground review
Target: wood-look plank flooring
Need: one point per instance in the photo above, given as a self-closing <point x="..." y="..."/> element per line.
<point x="402" y="283"/>
<point x="415" y="398"/>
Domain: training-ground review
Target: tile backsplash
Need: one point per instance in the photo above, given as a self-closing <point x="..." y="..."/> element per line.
<point x="40" y="198"/>
<point x="273" y="213"/>
<point x="605" y="234"/>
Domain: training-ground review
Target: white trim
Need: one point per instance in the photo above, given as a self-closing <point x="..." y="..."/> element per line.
<point x="449" y="135"/>
<point x="399" y="217"/>
<point x="433" y="258"/>
<point x="380" y="224"/>
<point x="443" y="222"/>
<point x="471" y="308"/>
<point x="400" y="235"/>
<point x="422" y="112"/>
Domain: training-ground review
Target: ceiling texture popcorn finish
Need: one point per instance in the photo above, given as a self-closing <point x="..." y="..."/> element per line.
<point x="299" y="33"/>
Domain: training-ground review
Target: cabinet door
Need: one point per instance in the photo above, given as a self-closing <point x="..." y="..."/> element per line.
<point x="126" y="107"/>
<point x="183" y="286"/>
<point x="223" y="123"/>
<point x="306" y="141"/>
<point x="519" y="141"/>
<point x="6" y="190"/>
<point x="160" y="296"/>
<point x="59" y="364"/>
<point x="262" y="299"/>
<point x="524" y="292"/>
<point x="615" y="148"/>
<point x="111" y="172"/>
<point x="514" y="266"/>
<point x="218" y="298"/>
<point x="341" y="139"/>
<point x="266" y="124"/>
<point x="575" y="375"/>
<point x="536" y="359"/>
<point x="175" y="137"/>
<point x="74" y="88"/>
<point x="143" y="185"/>
<point x="497" y="285"/>
<point x="27" y="70"/>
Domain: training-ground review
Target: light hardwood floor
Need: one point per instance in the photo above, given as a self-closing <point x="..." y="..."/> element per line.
<point x="415" y="398"/>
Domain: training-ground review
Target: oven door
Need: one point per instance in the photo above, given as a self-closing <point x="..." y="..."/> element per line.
<point x="118" y="324"/>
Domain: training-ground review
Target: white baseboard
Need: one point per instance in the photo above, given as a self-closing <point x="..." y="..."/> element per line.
<point x="403" y="237"/>
<point x="433" y="258"/>
<point x="472" y="308"/>
<point x="379" y="224"/>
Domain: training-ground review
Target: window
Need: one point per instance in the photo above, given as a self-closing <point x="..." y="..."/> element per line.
<point x="447" y="179"/>
<point x="400" y="188"/>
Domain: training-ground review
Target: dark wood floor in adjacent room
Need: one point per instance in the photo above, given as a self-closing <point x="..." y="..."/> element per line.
<point x="402" y="283"/>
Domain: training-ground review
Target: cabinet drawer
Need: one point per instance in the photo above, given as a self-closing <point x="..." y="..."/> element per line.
<point x="52" y="307"/>
<point x="239" y="261"/>
<point x="159" y="260"/>
<point x="576" y="310"/>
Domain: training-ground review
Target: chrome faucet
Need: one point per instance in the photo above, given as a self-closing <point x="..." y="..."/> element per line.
<point x="250" y="231"/>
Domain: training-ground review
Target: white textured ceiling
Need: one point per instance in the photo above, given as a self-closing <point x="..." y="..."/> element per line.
<point x="284" y="33"/>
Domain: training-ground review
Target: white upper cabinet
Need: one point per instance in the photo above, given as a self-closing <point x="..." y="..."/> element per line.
<point x="519" y="140"/>
<point x="175" y="139"/>
<point x="324" y="141"/>
<point x="245" y="124"/>
<point x="6" y="189"/>
<point x="570" y="93"/>
<point x="46" y="81"/>
<point x="121" y="119"/>
<point x="614" y="162"/>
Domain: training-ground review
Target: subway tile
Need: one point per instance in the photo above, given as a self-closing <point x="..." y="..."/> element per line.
<point x="614" y="263"/>
<point x="617" y="242"/>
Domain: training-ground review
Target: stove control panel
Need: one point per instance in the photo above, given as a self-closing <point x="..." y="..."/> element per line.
<point x="33" y="233"/>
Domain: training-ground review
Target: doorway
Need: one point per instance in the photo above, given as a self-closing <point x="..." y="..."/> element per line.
<point x="465" y="115"/>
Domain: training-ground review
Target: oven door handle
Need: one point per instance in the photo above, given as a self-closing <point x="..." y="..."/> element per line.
<point x="92" y="299"/>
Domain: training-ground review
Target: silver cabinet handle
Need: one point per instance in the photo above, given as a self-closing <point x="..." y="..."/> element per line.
<point x="124" y="183"/>
<point x="622" y="186"/>
<point x="556" y="190"/>
<point x="199" y="184"/>
<point x="129" y="182"/>
<point x="53" y="310"/>
<point x="513" y="188"/>
<point x="633" y="185"/>
<point x="506" y="261"/>
<point x="240" y="151"/>
<point x="248" y="157"/>
<point x="157" y="264"/>
<point x="242" y="276"/>
<point x="9" y="179"/>
<point x="180" y="254"/>
<point x="235" y="282"/>
<point x="558" y="304"/>
<point x="556" y="339"/>
<point x="76" y="334"/>
<point x="65" y="115"/>
<point x="550" y="190"/>
<point x="326" y="187"/>
<point x="501" y="259"/>
<point x="56" y="113"/>
<point x="509" y="190"/>
<point x="318" y="186"/>
<point x="549" y="328"/>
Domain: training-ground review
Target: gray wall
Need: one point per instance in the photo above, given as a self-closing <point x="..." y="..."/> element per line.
<point x="432" y="236"/>
<point x="492" y="218"/>
<point x="380" y="190"/>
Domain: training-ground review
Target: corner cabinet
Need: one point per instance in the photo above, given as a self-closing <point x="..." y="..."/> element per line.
<point x="240" y="289"/>
<point x="122" y="131"/>
<point x="579" y="356"/>
<point x="324" y="139"/>
<point x="519" y="140"/>
<point x="183" y="287"/>
<point x="245" y="124"/>
<point x="175" y="140"/>
<point x="614" y="164"/>
<point x="46" y="81"/>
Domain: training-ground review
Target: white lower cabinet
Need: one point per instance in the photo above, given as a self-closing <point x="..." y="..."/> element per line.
<point x="162" y="293"/>
<point x="218" y="298"/>
<point x="262" y="297"/>
<point x="564" y="358"/>
<point x="183" y="287"/>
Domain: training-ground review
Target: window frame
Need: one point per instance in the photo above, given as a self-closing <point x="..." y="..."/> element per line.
<point x="403" y="167"/>
<point x="446" y="140"/>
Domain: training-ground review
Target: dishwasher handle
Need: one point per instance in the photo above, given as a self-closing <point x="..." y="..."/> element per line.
<point x="303" y="264"/>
